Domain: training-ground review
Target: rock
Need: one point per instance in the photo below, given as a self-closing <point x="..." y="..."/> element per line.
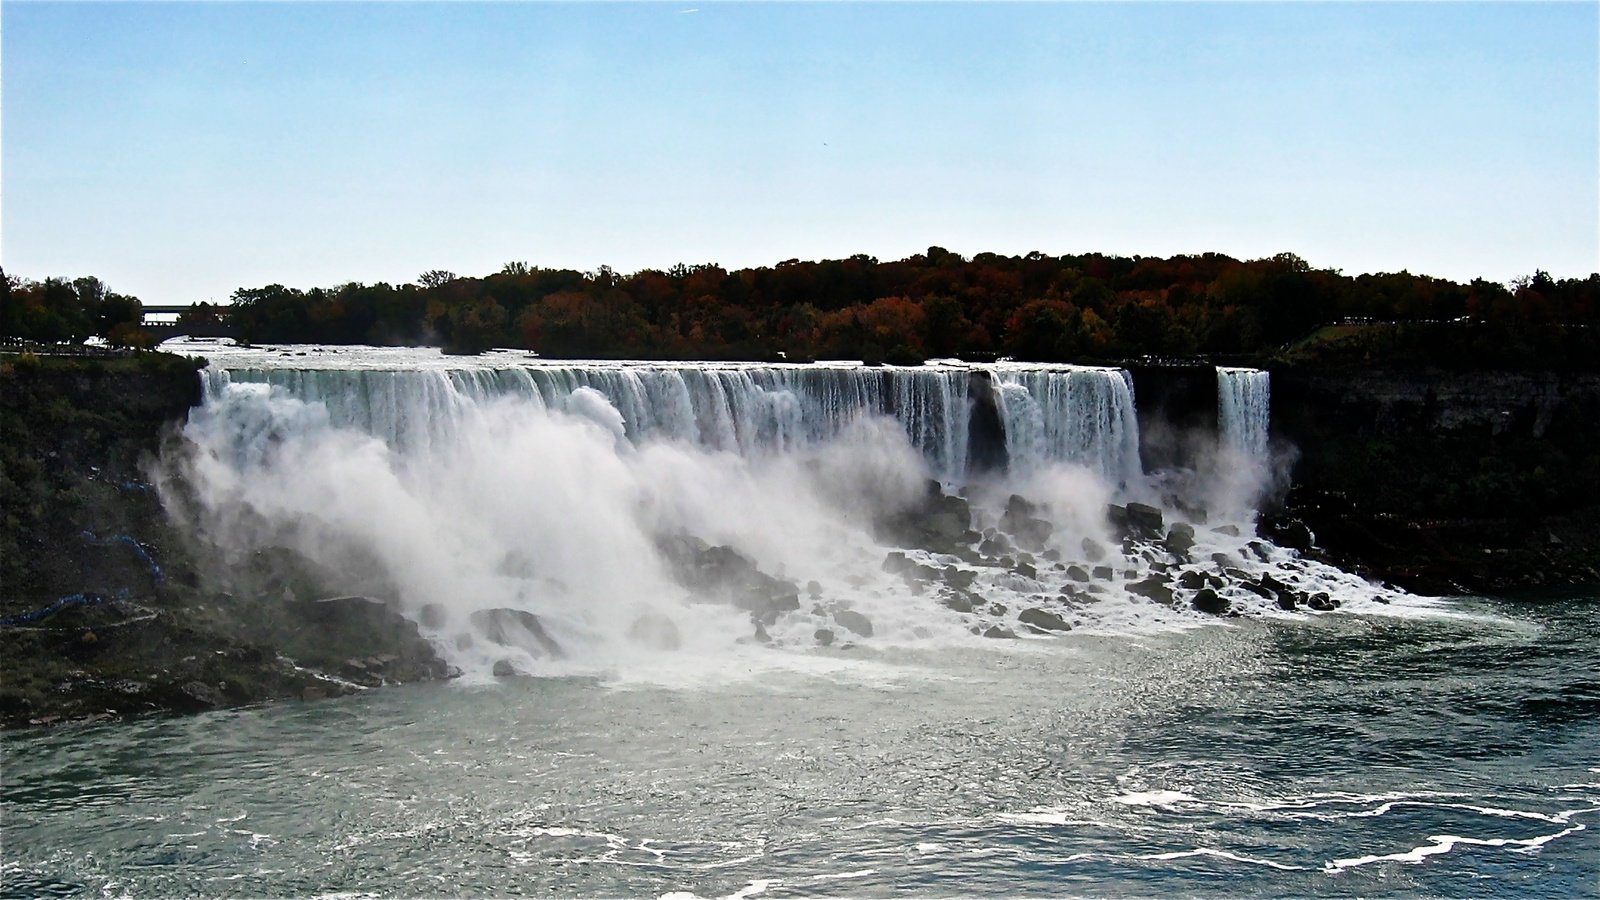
<point x="1289" y="532"/>
<point x="1117" y="518"/>
<point x="1077" y="573"/>
<point x="1286" y="601"/>
<point x="200" y="695"/>
<point x="1229" y="530"/>
<point x="997" y="609"/>
<point x="1209" y="601"/>
<point x="896" y="562"/>
<point x="851" y="620"/>
<point x="1052" y="555"/>
<point x="1092" y="550"/>
<point x="1223" y="560"/>
<point x="1180" y="539"/>
<point x="1018" y="505"/>
<point x="1192" y="580"/>
<point x="1103" y="573"/>
<point x="761" y="635"/>
<point x="999" y="632"/>
<point x="813" y="589"/>
<point x="1259" y="549"/>
<point x="960" y="602"/>
<point x="994" y="546"/>
<point x="656" y="631"/>
<point x="516" y="628"/>
<point x="503" y="669"/>
<point x="1043" y="620"/>
<point x="824" y="637"/>
<point x="1321" y="602"/>
<point x="1153" y="587"/>
<point x="1145" y="520"/>
<point x="1025" y="570"/>
<point x="959" y="578"/>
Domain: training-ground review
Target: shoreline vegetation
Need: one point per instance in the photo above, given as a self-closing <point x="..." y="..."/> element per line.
<point x="1445" y="431"/>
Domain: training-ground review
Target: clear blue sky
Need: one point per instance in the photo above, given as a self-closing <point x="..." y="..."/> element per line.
<point x="182" y="151"/>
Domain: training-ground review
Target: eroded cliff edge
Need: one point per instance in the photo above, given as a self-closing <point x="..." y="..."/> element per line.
<point x="102" y="612"/>
<point x="1445" y="481"/>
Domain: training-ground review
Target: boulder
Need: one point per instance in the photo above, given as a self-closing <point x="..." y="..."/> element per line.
<point x="1077" y="573"/>
<point x="656" y="631"/>
<point x="1180" y="539"/>
<point x="1209" y="601"/>
<point x="959" y="578"/>
<point x="516" y="628"/>
<point x="1192" y="580"/>
<point x="1321" y="602"/>
<point x="851" y="620"/>
<point x="1103" y="573"/>
<point x="1145" y="520"/>
<point x="1093" y="551"/>
<point x="999" y="632"/>
<point x="1043" y="620"/>
<point x="1025" y="570"/>
<point x="1154" y="587"/>
<point x="503" y="668"/>
<point x="1229" y="530"/>
<point x="960" y="602"/>
<point x="824" y="637"/>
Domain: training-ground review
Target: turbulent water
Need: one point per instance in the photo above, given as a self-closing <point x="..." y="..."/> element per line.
<point x="868" y="737"/>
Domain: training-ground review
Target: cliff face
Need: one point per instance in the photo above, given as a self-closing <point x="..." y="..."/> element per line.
<point x="101" y="612"/>
<point x="1447" y="480"/>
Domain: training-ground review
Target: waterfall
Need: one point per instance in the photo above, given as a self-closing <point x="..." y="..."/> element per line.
<point x="1244" y="412"/>
<point x="1083" y="415"/>
<point x="1056" y="414"/>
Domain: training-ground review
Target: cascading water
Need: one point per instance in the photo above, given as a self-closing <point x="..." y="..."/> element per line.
<point x="1074" y="414"/>
<point x="635" y="509"/>
<point x="1244" y="418"/>
<point x="1244" y="411"/>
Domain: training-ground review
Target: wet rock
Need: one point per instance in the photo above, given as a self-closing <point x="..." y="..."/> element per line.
<point x="997" y="609"/>
<point x="200" y="696"/>
<point x="896" y="562"/>
<point x="960" y="602"/>
<point x="1223" y="560"/>
<point x="516" y="628"/>
<point x="1180" y="539"/>
<point x="503" y="668"/>
<point x="1043" y="620"/>
<point x="824" y="637"/>
<point x="1153" y="587"/>
<point x="1321" y="602"/>
<point x="1103" y="573"/>
<point x="995" y="546"/>
<point x="813" y="589"/>
<point x="1093" y="551"/>
<point x="1259" y="550"/>
<point x="1286" y="601"/>
<point x="1229" y="530"/>
<point x="1145" y="520"/>
<point x="1052" y="555"/>
<point x="1077" y="573"/>
<point x="959" y="578"/>
<point x="999" y="632"/>
<point x="1210" y="602"/>
<point x="851" y="620"/>
<point x="1025" y="570"/>
<point x="656" y="631"/>
<point x="1192" y="580"/>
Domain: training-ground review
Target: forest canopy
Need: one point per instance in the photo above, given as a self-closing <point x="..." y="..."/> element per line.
<point x="1073" y="308"/>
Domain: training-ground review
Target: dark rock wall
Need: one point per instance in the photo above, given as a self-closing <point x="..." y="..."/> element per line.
<point x="1447" y="480"/>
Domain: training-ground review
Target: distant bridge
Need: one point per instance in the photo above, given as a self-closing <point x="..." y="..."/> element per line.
<point x="162" y="330"/>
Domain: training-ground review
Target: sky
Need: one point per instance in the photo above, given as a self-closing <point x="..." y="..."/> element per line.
<point x="182" y="151"/>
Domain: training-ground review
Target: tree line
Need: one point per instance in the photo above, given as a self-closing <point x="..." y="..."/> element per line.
<point x="931" y="305"/>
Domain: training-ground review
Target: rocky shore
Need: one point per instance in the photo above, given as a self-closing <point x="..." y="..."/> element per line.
<point x="102" y="614"/>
